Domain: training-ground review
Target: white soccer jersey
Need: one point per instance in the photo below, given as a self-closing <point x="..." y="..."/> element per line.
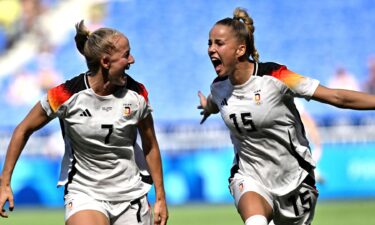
<point x="99" y="134"/>
<point x="265" y="127"/>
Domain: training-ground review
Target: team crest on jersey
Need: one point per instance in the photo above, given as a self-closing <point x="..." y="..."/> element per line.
<point x="127" y="111"/>
<point x="257" y="98"/>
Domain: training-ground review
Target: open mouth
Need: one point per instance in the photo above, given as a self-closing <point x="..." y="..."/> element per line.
<point x="217" y="63"/>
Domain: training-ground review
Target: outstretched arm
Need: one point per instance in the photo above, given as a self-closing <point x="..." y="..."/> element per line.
<point x="344" y="98"/>
<point x="36" y="119"/>
<point x="153" y="158"/>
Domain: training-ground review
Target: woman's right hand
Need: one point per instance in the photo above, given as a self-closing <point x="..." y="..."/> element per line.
<point x="202" y="106"/>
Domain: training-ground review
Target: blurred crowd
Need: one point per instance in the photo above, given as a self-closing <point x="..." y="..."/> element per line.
<point x="19" y="17"/>
<point x="343" y="78"/>
<point x="22" y="18"/>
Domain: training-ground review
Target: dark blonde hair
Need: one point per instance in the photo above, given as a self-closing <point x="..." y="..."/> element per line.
<point x="94" y="45"/>
<point x="243" y="26"/>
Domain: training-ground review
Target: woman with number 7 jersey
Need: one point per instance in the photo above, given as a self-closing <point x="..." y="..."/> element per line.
<point x="100" y="112"/>
<point x="272" y="178"/>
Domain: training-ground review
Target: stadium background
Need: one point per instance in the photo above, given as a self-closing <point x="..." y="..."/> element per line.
<point x="169" y="43"/>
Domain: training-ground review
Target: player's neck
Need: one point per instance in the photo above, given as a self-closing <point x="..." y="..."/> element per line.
<point x="242" y="73"/>
<point x="100" y="86"/>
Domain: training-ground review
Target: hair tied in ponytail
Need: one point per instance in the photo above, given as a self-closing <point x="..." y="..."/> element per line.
<point x="236" y="18"/>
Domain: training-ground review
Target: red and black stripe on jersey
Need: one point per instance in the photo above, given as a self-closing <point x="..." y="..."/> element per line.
<point x="275" y="70"/>
<point x="58" y="95"/>
<point x="280" y="72"/>
<point x="133" y="85"/>
<point x="268" y="68"/>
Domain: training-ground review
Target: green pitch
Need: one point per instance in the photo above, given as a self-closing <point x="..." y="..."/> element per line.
<point x="328" y="213"/>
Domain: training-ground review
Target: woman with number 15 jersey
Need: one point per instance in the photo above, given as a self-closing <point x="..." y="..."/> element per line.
<point x="272" y="178"/>
<point x="100" y="112"/>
